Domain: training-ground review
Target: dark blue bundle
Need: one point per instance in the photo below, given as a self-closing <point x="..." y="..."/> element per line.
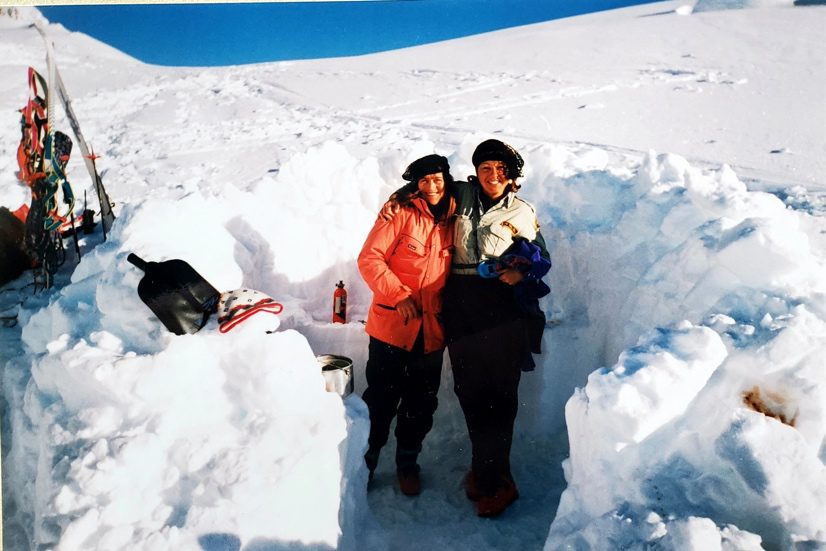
<point x="525" y="256"/>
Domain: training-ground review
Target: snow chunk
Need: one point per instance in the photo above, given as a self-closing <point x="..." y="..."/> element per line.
<point x="651" y="384"/>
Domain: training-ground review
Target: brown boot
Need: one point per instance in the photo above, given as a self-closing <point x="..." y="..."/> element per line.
<point x="491" y="506"/>
<point x="471" y="491"/>
<point x="409" y="482"/>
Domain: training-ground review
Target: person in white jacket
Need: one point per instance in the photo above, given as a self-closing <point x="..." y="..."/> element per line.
<point x="487" y="333"/>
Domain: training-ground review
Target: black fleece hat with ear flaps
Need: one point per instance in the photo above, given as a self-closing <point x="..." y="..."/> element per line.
<point x="494" y="150"/>
<point x="431" y="164"/>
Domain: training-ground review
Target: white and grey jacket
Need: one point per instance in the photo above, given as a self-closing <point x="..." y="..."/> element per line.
<point x="484" y="235"/>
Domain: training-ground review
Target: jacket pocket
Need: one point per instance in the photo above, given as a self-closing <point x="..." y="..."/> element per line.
<point x="494" y="240"/>
<point x="383" y="320"/>
<point x="410" y="246"/>
<point x="407" y="260"/>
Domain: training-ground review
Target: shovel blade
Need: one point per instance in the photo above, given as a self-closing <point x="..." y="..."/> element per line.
<point x="178" y="295"/>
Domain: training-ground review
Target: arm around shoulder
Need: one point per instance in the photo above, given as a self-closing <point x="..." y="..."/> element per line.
<point x="397" y="200"/>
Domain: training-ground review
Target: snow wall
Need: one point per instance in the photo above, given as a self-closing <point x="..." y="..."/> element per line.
<point x="698" y="309"/>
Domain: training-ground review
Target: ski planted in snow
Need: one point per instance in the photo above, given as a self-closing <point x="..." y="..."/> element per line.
<point x="42" y="157"/>
<point x="106" y="214"/>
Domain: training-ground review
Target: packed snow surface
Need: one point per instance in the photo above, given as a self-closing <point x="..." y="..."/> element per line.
<point x="676" y="156"/>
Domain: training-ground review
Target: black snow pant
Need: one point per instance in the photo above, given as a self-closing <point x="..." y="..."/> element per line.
<point x="401" y="384"/>
<point x="487" y="344"/>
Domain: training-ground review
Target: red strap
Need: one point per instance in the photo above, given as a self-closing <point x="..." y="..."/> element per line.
<point x="243" y="311"/>
<point x="22" y="213"/>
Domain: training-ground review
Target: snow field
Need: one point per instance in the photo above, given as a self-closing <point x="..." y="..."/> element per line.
<point x="683" y="359"/>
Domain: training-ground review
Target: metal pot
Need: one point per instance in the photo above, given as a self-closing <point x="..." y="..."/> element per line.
<point x="338" y="373"/>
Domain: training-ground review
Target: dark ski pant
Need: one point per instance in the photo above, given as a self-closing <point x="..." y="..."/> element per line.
<point x="486" y="372"/>
<point x="487" y="344"/>
<point x="401" y="384"/>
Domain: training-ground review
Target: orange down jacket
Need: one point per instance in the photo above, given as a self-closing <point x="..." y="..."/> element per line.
<point x="408" y="256"/>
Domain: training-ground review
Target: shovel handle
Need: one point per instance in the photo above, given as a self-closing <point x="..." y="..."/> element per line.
<point x="137" y="261"/>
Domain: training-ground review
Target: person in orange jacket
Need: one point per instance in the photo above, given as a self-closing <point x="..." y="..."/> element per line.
<point x="405" y="262"/>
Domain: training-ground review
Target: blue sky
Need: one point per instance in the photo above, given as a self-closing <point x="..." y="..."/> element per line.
<point x="237" y="33"/>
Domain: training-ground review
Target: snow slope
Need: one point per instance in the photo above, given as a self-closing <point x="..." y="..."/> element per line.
<point x="677" y="165"/>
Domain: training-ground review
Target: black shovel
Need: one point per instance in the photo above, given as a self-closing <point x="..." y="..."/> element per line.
<point x="176" y="293"/>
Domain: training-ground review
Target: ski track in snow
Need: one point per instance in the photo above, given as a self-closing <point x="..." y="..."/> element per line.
<point x="549" y="90"/>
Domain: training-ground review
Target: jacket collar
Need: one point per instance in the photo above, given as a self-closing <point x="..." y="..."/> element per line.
<point x="506" y="200"/>
<point x="419" y="202"/>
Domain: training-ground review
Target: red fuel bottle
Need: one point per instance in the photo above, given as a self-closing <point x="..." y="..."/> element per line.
<point x="340" y="304"/>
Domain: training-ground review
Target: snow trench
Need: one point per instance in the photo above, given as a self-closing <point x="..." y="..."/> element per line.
<point x="683" y="334"/>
